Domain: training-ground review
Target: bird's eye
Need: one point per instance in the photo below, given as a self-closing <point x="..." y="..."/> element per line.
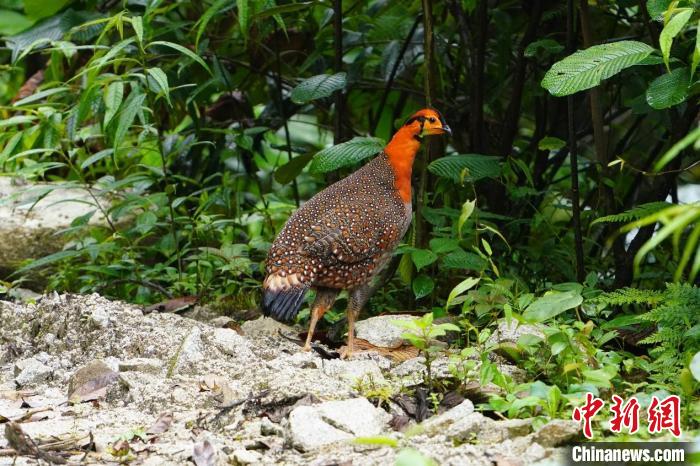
<point x="431" y="119"/>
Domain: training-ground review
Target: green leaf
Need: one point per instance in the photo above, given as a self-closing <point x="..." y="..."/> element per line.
<point x="290" y="170"/>
<point x="183" y="50"/>
<point x="45" y="31"/>
<point x="669" y="89"/>
<point x="422" y="286"/>
<point x="423" y="257"/>
<point x="551" y="143"/>
<point x="94" y="158"/>
<point x="656" y="8"/>
<point x="243" y="16"/>
<point x="212" y="11"/>
<point x="466" y="167"/>
<point x="552" y="304"/>
<point x="137" y="24"/>
<point x="40" y="95"/>
<point x="12" y="22"/>
<point x="467" y="210"/>
<point x="346" y="153"/>
<point x="37" y="9"/>
<point x="318" y="87"/>
<point x="677" y="148"/>
<point x="131" y="107"/>
<point x="671" y="30"/>
<point x="463" y="260"/>
<point x="113" y="97"/>
<point x="587" y="68"/>
<point x="161" y="79"/>
<point x="50" y="259"/>
<point x="443" y="245"/>
<point x="464" y="285"/>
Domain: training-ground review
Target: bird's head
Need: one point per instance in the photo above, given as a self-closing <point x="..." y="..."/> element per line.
<point x="427" y="122"/>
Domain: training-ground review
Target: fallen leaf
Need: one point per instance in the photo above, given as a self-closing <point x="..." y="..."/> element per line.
<point x="204" y="454"/>
<point x="179" y="304"/>
<point x="94" y="389"/>
<point x="162" y="424"/>
<point x="120" y="448"/>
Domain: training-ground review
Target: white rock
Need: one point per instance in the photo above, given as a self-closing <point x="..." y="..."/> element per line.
<point x="31" y="370"/>
<point x="439" y="424"/>
<point x="150" y="365"/>
<point x="353" y="371"/>
<point x="191" y="350"/>
<point x="231" y="343"/>
<point x="100" y="317"/>
<point x="335" y="421"/>
<point x="381" y="331"/>
<point x="263" y="326"/>
<point x="243" y="456"/>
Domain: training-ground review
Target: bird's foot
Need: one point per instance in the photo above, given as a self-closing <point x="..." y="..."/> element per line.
<point x="346" y="353"/>
<point x="307" y="347"/>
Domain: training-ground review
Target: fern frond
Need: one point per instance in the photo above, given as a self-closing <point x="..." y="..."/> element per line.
<point x="631" y="296"/>
<point x="636" y="213"/>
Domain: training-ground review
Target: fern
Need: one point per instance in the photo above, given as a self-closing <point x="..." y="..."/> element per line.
<point x="631" y="296"/>
<point x="675" y="314"/>
<point x="637" y="213"/>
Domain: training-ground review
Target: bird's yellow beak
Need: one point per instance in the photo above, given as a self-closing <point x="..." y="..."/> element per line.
<point x="434" y="130"/>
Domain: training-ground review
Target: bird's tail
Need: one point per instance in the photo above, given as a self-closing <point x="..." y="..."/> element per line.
<point x="283" y="297"/>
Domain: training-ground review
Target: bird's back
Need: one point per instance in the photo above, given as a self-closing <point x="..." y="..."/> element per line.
<point x="340" y="238"/>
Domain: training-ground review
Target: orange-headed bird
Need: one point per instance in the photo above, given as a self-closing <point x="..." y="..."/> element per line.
<point x="342" y="237"/>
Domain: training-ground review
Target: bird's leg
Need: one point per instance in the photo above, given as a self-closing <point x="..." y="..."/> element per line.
<point x="324" y="300"/>
<point x="316" y="313"/>
<point x="358" y="298"/>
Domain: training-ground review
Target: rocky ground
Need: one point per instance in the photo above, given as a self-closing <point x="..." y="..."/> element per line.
<point x="85" y="379"/>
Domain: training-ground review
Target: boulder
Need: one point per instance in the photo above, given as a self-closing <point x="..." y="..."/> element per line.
<point x="557" y="432"/>
<point x="382" y="331"/>
<point x="335" y="421"/>
<point x="31" y="371"/>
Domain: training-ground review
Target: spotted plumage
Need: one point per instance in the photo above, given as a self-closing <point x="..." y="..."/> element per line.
<point x="343" y="236"/>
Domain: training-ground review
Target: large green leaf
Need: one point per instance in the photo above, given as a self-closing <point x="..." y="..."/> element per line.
<point x="12" y="22"/>
<point x="466" y="167"/>
<point x="243" y="16"/>
<point x="318" y="87"/>
<point x="587" y="68"/>
<point x="346" y="153"/>
<point x="671" y="30"/>
<point x="290" y="170"/>
<point x="552" y="304"/>
<point x="161" y="80"/>
<point x="42" y="33"/>
<point x="656" y="8"/>
<point x="669" y="89"/>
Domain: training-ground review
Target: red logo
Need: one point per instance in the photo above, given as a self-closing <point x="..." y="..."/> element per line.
<point x="665" y="414"/>
<point x="587" y="412"/>
<point x="624" y="415"/>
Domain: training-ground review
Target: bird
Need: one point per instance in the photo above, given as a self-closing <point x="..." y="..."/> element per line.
<point x="343" y="236"/>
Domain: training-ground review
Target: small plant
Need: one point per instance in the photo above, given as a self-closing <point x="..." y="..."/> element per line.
<point x="423" y="333"/>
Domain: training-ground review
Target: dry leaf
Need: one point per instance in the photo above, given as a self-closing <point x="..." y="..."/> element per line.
<point x="94" y="389"/>
<point x="172" y="305"/>
<point x="204" y="454"/>
<point x="162" y="424"/>
<point x="120" y="448"/>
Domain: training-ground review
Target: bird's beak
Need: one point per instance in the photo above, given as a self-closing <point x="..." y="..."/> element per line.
<point x="435" y="130"/>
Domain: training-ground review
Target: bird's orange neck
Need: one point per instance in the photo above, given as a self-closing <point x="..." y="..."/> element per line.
<point x="402" y="150"/>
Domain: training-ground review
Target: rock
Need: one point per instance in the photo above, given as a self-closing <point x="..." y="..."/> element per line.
<point x="31" y="371"/>
<point x="191" y="351"/>
<point x="23" y="295"/>
<point x="354" y="371"/>
<point x="100" y="317"/>
<point x="242" y="456"/>
<point x="557" y="432"/>
<point x="30" y="233"/>
<point x="438" y="424"/>
<point x="221" y="321"/>
<point x="412" y="371"/>
<point x="335" y="421"/>
<point x="231" y="343"/>
<point x="263" y="327"/>
<point x="150" y="365"/>
<point x="498" y="431"/>
<point x="381" y="331"/>
<point x="511" y="332"/>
